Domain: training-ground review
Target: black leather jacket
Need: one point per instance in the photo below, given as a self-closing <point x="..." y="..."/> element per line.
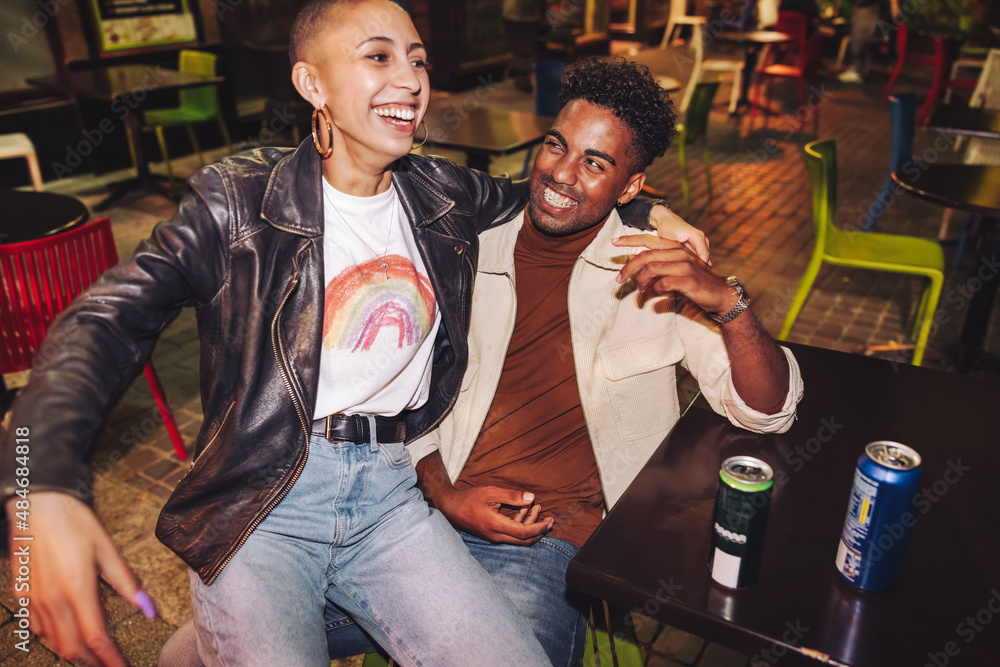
<point x="245" y="249"/>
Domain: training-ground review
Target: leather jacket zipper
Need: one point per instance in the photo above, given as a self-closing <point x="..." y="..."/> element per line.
<point x="215" y="438"/>
<point x="279" y="352"/>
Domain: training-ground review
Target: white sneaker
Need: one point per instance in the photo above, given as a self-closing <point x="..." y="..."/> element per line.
<point x="850" y="76"/>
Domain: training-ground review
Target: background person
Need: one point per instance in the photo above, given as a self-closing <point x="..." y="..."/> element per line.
<point x="864" y="21"/>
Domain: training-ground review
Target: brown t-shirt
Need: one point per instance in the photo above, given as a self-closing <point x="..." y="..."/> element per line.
<point x="535" y="438"/>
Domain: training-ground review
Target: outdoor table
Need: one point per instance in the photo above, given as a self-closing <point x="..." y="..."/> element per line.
<point x="29" y="215"/>
<point x="482" y="132"/>
<point x="752" y="43"/>
<point x="957" y="118"/>
<point x="974" y="188"/>
<point x="127" y="88"/>
<point x="651" y="552"/>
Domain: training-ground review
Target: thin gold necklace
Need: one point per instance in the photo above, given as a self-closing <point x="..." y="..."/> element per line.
<point x="385" y="254"/>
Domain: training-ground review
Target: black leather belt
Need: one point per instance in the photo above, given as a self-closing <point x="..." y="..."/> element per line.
<point x="354" y="428"/>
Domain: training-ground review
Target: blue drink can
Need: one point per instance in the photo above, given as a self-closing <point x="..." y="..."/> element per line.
<point x="879" y="515"/>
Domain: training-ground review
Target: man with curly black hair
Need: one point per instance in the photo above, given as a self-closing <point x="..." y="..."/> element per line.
<point x="571" y="382"/>
<point x="628" y="90"/>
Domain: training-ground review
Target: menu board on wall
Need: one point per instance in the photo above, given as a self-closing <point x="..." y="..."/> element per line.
<point x="136" y="24"/>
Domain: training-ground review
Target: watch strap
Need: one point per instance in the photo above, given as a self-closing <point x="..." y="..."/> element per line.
<point x="742" y="304"/>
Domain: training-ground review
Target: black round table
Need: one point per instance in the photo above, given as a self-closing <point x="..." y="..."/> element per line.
<point x="968" y="187"/>
<point x="28" y="215"/>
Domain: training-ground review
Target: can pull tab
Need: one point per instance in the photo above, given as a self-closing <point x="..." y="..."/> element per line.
<point x="897" y="458"/>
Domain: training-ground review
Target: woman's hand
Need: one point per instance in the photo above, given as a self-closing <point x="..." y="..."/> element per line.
<point x="671" y="226"/>
<point x="69" y="550"/>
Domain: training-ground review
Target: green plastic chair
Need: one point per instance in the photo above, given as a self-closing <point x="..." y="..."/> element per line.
<point x="695" y="128"/>
<point x="864" y="250"/>
<point x="377" y="660"/>
<point x="617" y="648"/>
<point x="197" y="105"/>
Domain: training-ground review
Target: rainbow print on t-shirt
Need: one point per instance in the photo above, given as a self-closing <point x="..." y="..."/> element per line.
<point x="360" y="302"/>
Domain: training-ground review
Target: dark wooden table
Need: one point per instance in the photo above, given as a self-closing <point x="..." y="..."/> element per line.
<point x="970" y="187"/>
<point x="957" y="118"/>
<point x="127" y="88"/>
<point x="752" y="42"/>
<point x="29" y="215"/>
<point x="651" y="553"/>
<point x="974" y="188"/>
<point x="482" y="132"/>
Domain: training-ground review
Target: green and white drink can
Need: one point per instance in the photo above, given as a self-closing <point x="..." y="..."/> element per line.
<point x="741" y="509"/>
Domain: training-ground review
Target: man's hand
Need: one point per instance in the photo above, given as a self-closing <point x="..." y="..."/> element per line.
<point x="759" y="368"/>
<point x="668" y="266"/>
<point x="477" y="512"/>
<point x="69" y="550"/>
<point x="669" y="225"/>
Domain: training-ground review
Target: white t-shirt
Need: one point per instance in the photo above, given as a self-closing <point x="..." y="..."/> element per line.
<point x="379" y="325"/>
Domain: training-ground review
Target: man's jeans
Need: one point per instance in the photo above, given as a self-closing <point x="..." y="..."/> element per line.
<point x="534" y="578"/>
<point x="355" y="532"/>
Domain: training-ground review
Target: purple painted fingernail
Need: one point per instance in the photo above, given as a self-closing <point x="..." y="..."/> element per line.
<point x="146" y="604"/>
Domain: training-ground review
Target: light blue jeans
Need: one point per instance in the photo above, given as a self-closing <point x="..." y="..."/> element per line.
<point x="533" y="577"/>
<point x="354" y="532"/>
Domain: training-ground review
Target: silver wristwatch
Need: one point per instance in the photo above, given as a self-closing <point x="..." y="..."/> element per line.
<point x="740" y="306"/>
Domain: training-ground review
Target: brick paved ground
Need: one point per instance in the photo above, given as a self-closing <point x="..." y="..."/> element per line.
<point x="760" y="226"/>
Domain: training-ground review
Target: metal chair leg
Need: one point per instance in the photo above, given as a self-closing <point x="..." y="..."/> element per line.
<point x="166" y="155"/>
<point x="805" y="285"/>
<point x="168" y="416"/>
<point x="194" y="143"/>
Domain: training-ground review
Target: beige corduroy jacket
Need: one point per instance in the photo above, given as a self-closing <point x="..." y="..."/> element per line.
<point x="626" y="352"/>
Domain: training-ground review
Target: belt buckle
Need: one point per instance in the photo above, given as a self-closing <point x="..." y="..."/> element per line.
<point x="361" y="431"/>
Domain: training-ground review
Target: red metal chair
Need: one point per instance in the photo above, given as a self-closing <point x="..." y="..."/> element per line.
<point x="796" y="25"/>
<point x="903" y="56"/>
<point x="939" y="59"/>
<point x="38" y="279"/>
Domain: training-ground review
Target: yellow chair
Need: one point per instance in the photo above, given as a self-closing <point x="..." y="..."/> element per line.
<point x="197" y="105"/>
<point x="694" y="128"/>
<point x="611" y="648"/>
<point x="864" y="250"/>
<point x="377" y="660"/>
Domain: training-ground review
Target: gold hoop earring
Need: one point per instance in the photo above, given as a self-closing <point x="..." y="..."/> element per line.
<point x="423" y="125"/>
<point x="315" y="131"/>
